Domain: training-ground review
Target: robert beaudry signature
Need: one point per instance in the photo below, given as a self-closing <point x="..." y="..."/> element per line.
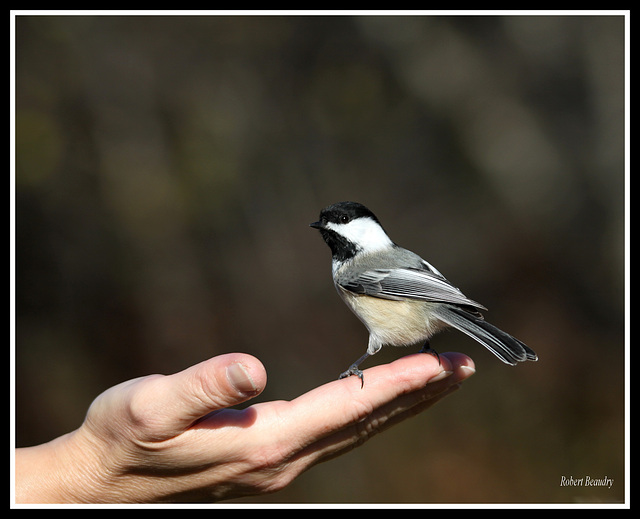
<point x="586" y="481"/>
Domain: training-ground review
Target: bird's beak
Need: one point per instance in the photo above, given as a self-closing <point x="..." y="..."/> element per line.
<point x="316" y="225"/>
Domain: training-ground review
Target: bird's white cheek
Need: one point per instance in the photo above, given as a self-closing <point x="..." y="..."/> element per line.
<point x="363" y="232"/>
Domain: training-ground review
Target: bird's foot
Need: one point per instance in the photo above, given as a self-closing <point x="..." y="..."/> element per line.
<point x="353" y="370"/>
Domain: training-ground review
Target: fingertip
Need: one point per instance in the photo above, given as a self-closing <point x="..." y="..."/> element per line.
<point x="241" y="380"/>
<point x="460" y="360"/>
<point x="245" y="373"/>
<point x="455" y="367"/>
<point x="221" y="381"/>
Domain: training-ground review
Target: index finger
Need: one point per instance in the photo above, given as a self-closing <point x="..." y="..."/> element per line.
<point x="341" y="403"/>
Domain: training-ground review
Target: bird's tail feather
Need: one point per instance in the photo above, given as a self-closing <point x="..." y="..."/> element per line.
<point x="504" y="346"/>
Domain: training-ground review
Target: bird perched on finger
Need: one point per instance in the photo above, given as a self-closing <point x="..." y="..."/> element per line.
<point x="401" y="298"/>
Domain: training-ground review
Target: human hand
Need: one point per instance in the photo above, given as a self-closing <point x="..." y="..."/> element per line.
<point x="173" y="439"/>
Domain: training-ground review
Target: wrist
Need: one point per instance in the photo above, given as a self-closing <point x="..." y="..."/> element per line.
<point x="64" y="470"/>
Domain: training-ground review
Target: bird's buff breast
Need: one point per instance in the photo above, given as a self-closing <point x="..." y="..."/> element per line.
<point x="394" y="323"/>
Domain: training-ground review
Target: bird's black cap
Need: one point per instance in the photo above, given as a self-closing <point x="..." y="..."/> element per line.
<point x="343" y="212"/>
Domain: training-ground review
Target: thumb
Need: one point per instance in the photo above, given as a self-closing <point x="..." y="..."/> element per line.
<point x="168" y="405"/>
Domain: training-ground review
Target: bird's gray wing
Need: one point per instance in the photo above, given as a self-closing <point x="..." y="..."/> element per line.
<point x="407" y="283"/>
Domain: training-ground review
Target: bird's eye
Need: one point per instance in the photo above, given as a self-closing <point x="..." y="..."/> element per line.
<point x="344" y="218"/>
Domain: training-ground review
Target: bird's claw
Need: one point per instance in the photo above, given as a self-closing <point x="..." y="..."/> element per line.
<point x="353" y="370"/>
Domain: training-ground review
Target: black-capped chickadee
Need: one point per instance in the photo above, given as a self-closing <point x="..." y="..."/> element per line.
<point x="400" y="298"/>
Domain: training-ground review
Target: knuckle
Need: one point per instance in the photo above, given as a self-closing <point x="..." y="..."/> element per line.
<point x="140" y="408"/>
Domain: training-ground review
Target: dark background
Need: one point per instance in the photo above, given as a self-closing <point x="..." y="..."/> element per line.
<point x="167" y="168"/>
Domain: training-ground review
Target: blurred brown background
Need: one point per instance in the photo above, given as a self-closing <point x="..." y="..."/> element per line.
<point x="167" y="168"/>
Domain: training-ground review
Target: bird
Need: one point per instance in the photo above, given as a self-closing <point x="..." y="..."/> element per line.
<point x="400" y="298"/>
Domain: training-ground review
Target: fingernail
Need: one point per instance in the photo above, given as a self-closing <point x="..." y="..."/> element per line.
<point x="470" y="370"/>
<point x="440" y="376"/>
<point x="240" y="379"/>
